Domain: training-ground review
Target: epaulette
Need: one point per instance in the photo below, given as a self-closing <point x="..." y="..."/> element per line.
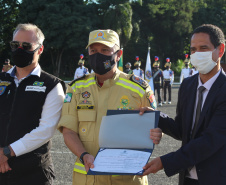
<point x="139" y="81"/>
<point x="73" y="81"/>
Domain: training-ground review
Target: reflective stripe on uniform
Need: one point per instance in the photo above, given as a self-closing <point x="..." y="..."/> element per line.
<point x="80" y="168"/>
<point x="131" y="86"/>
<point x="83" y="83"/>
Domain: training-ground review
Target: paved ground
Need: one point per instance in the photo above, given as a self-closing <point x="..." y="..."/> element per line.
<point x="64" y="159"/>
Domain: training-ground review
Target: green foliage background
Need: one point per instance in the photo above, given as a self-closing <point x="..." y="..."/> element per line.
<point x="165" y="25"/>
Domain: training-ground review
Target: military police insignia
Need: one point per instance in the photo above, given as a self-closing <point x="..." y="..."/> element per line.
<point x="67" y="98"/>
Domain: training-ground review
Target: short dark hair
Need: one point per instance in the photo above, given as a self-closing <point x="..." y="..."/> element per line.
<point x="215" y="33"/>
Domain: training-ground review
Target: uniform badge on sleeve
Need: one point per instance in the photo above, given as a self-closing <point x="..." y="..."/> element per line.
<point x="151" y="98"/>
<point x="67" y="98"/>
<point x="2" y="89"/>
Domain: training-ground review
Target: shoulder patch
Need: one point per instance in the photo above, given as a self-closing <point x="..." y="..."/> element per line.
<point x="73" y="81"/>
<point x="139" y="81"/>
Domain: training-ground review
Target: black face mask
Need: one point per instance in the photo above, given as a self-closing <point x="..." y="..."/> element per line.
<point x="186" y="65"/>
<point x="23" y="58"/>
<point x="167" y="67"/>
<point x="101" y="64"/>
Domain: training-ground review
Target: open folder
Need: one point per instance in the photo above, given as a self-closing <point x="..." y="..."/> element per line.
<point x="125" y="144"/>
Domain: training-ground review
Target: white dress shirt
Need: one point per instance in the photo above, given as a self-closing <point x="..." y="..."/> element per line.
<point x="138" y="72"/>
<point x="168" y="74"/>
<point x="185" y="72"/>
<point x="79" y="72"/>
<point x="50" y="116"/>
<point x="193" y="174"/>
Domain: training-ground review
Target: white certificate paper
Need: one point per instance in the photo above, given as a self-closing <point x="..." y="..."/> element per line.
<point x="120" y="161"/>
<point x="125" y="144"/>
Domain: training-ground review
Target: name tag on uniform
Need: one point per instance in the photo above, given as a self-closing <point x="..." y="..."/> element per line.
<point x="36" y="88"/>
<point x="85" y="107"/>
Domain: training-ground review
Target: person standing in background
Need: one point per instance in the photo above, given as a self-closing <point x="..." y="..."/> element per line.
<point x="168" y="78"/>
<point x="7" y="66"/>
<point x="187" y="71"/>
<point x="157" y="75"/>
<point x="81" y="70"/>
<point x="138" y="71"/>
<point x="128" y="69"/>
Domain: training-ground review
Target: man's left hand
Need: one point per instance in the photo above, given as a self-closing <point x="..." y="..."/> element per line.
<point x="156" y="135"/>
<point x="153" y="167"/>
<point x="3" y="158"/>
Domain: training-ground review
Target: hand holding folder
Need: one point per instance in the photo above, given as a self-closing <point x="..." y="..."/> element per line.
<point x="125" y="144"/>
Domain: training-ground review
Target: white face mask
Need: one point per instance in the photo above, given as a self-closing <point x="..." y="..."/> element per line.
<point x="203" y="61"/>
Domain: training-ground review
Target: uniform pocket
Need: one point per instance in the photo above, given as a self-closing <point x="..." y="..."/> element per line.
<point x="86" y="120"/>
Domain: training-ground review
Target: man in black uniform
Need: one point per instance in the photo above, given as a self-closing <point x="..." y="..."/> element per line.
<point x="31" y="102"/>
<point x="158" y="79"/>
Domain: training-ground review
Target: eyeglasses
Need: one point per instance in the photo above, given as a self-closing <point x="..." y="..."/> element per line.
<point x="16" y="44"/>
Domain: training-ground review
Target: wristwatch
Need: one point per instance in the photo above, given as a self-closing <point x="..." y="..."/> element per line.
<point x="7" y="152"/>
<point x="81" y="157"/>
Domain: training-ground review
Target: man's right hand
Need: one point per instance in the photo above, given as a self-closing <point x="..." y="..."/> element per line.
<point x="88" y="161"/>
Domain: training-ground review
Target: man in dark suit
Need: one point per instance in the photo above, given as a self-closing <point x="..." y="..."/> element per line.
<point x="200" y="121"/>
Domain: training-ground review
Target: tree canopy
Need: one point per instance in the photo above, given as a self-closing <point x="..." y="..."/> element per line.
<point x="164" y="25"/>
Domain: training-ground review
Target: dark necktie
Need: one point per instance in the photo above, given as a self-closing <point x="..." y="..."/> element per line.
<point x="198" y="112"/>
<point x="198" y="109"/>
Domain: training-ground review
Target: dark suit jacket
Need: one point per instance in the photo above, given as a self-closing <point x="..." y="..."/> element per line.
<point x="207" y="151"/>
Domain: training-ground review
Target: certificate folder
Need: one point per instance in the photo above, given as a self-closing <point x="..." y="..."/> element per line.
<point x="125" y="144"/>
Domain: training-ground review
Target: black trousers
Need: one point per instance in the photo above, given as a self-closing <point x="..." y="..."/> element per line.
<point x="32" y="170"/>
<point x="188" y="181"/>
<point x="157" y="88"/>
<point x="167" y="85"/>
<point x="33" y="178"/>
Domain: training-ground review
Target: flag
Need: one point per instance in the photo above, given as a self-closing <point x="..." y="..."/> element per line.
<point x="148" y="72"/>
<point x="120" y="63"/>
